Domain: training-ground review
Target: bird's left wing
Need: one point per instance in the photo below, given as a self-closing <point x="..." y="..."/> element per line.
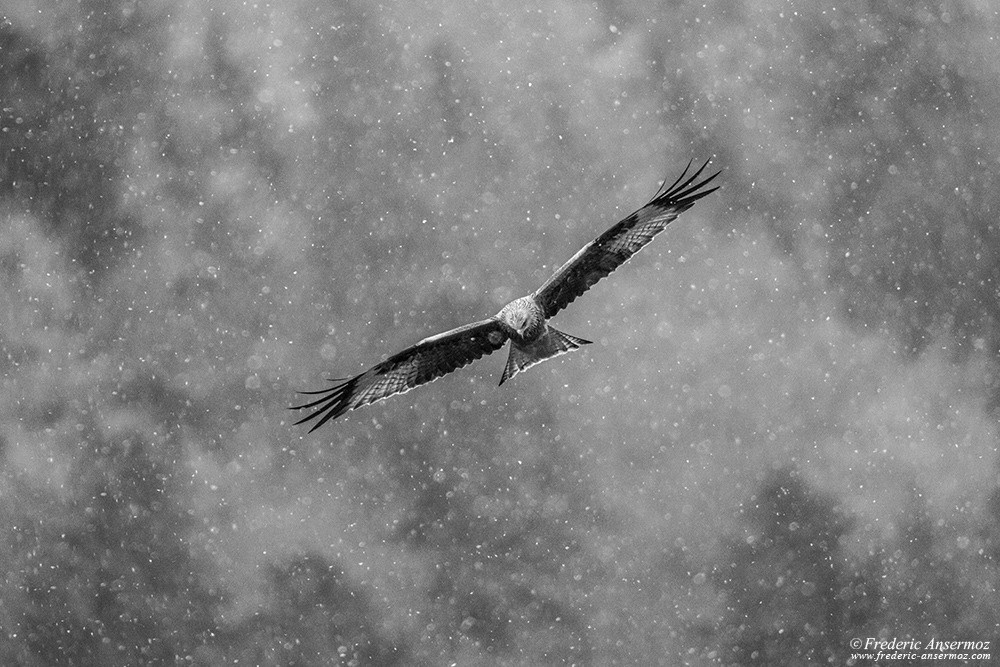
<point x="416" y="365"/>
<point x="614" y="247"/>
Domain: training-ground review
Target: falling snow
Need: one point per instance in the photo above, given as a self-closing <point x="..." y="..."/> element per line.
<point x="784" y="437"/>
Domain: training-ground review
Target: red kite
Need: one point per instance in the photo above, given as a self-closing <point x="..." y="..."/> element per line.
<point x="524" y="321"/>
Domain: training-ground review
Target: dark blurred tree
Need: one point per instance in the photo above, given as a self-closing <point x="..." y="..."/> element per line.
<point x="881" y="116"/>
<point x="109" y="577"/>
<point x="913" y="198"/>
<point x="313" y="615"/>
<point x="69" y="111"/>
<point x="794" y="594"/>
<point x="506" y="518"/>
<point x="105" y="571"/>
<point x="933" y="584"/>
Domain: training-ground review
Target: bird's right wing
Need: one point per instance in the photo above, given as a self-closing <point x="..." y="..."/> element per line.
<point x="614" y="247"/>
<point x="416" y="365"/>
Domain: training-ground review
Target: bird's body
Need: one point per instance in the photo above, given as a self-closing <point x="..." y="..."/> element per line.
<point x="523" y="321"/>
<point x="531" y="338"/>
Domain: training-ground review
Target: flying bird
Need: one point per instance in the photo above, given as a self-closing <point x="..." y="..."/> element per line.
<point x="523" y="321"/>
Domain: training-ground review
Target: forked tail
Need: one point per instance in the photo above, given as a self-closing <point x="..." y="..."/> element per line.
<point x="550" y="344"/>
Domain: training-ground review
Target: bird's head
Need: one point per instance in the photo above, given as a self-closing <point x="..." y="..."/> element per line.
<point x="519" y="321"/>
<point x="521" y="316"/>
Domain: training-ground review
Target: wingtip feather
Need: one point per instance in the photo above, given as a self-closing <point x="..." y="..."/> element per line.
<point x="333" y="402"/>
<point x="686" y="190"/>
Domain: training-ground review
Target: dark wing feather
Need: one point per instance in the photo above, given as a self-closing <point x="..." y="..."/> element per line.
<point x="614" y="247"/>
<point x="426" y="361"/>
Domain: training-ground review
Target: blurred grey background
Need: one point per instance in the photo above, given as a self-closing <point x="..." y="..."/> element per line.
<point x="784" y="437"/>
